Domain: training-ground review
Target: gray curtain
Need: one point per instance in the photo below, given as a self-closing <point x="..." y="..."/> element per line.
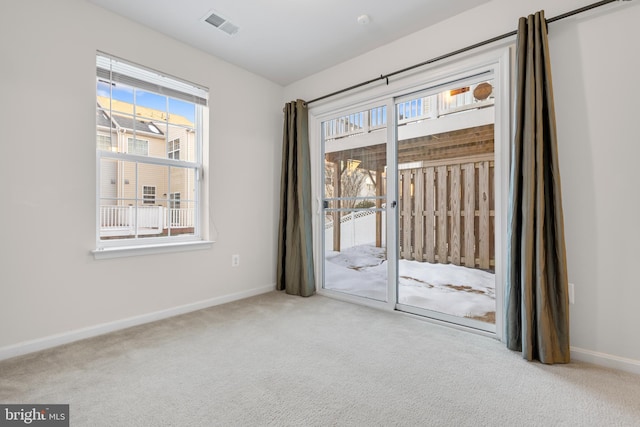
<point x="537" y="311"/>
<point x="295" y="274"/>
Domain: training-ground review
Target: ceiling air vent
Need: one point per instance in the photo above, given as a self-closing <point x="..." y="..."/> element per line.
<point x="221" y="23"/>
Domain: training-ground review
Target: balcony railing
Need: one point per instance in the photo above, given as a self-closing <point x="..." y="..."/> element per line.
<point x="122" y="220"/>
<point x="411" y="111"/>
<point x="356" y="123"/>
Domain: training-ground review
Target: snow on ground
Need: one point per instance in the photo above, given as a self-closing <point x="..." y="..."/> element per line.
<point x="445" y="288"/>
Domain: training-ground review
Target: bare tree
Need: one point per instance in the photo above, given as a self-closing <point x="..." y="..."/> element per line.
<point x="352" y="182"/>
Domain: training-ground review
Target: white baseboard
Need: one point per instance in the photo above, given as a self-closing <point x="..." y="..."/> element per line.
<point x="606" y="360"/>
<point x="32" y="346"/>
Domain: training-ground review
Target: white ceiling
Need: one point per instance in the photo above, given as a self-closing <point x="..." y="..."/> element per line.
<point x="287" y="40"/>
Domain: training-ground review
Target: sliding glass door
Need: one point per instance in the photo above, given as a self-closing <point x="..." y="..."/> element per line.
<point x="354" y="197"/>
<point x="410" y="201"/>
<point x="446" y="195"/>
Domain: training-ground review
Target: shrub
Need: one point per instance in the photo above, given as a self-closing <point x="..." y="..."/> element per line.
<point x="365" y="204"/>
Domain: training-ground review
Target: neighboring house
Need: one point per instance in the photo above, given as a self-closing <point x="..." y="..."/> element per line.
<point x="159" y="194"/>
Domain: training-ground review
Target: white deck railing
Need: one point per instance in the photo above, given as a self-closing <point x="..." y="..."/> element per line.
<point x="179" y="218"/>
<point x="122" y="220"/>
<point x="414" y="110"/>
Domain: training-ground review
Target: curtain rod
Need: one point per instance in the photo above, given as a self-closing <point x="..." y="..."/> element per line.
<point x="459" y="51"/>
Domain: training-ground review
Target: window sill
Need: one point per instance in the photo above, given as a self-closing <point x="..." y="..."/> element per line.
<point x="128" y="251"/>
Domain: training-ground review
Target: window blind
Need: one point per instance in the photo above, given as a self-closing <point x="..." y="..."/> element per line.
<point x="116" y="70"/>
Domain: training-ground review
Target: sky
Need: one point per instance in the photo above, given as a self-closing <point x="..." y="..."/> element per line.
<point x="148" y="99"/>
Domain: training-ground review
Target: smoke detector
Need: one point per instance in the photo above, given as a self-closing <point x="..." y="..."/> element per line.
<point x="363" y="19"/>
<point x="221" y="23"/>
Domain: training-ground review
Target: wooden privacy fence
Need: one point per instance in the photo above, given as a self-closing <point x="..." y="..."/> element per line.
<point x="447" y="212"/>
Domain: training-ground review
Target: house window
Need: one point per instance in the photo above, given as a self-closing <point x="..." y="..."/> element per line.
<point x="176" y="214"/>
<point x="148" y="195"/>
<point x="174" y="201"/>
<point x="138" y="146"/>
<point x="103" y="142"/>
<point x="149" y="142"/>
<point x="173" y="151"/>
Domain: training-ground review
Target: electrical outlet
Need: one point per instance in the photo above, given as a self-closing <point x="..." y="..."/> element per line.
<point x="235" y="260"/>
<point x="572" y="295"/>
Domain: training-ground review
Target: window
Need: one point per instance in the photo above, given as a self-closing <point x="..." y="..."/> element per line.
<point x="174" y="201"/>
<point x="173" y="152"/>
<point x="148" y="194"/>
<point x="104" y="142"/>
<point x="149" y="136"/>
<point x="137" y="146"/>
<point x="175" y="213"/>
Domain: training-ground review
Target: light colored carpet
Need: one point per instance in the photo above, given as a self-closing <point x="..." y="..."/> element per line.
<point x="290" y="361"/>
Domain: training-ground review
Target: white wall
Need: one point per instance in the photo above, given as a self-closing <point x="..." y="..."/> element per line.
<point x="50" y="284"/>
<point x="595" y="62"/>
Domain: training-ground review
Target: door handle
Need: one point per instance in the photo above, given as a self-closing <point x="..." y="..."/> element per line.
<point x="394" y="204"/>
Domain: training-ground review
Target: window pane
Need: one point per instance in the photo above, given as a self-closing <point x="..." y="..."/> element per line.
<point x="161" y="202"/>
<point x="181" y="145"/>
<point x="153" y="181"/>
<point x="183" y="182"/>
<point x="103" y="92"/>
<point x="415" y="109"/>
<point x="121" y="101"/>
<point x="151" y="106"/>
<point x="355" y="162"/>
<point x="446" y="204"/>
<point x="117" y="220"/>
<point x="109" y="181"/>
<point x="107" y="137"/>
<point x="181" y="219"/>
<point x="185" y="110"/>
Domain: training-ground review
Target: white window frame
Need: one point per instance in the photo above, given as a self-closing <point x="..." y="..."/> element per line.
<point x="116" y="70"/>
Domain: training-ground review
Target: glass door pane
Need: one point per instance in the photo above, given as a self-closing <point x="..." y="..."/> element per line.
<point x="446" y="204"/>
<point x="354" y="194"/>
